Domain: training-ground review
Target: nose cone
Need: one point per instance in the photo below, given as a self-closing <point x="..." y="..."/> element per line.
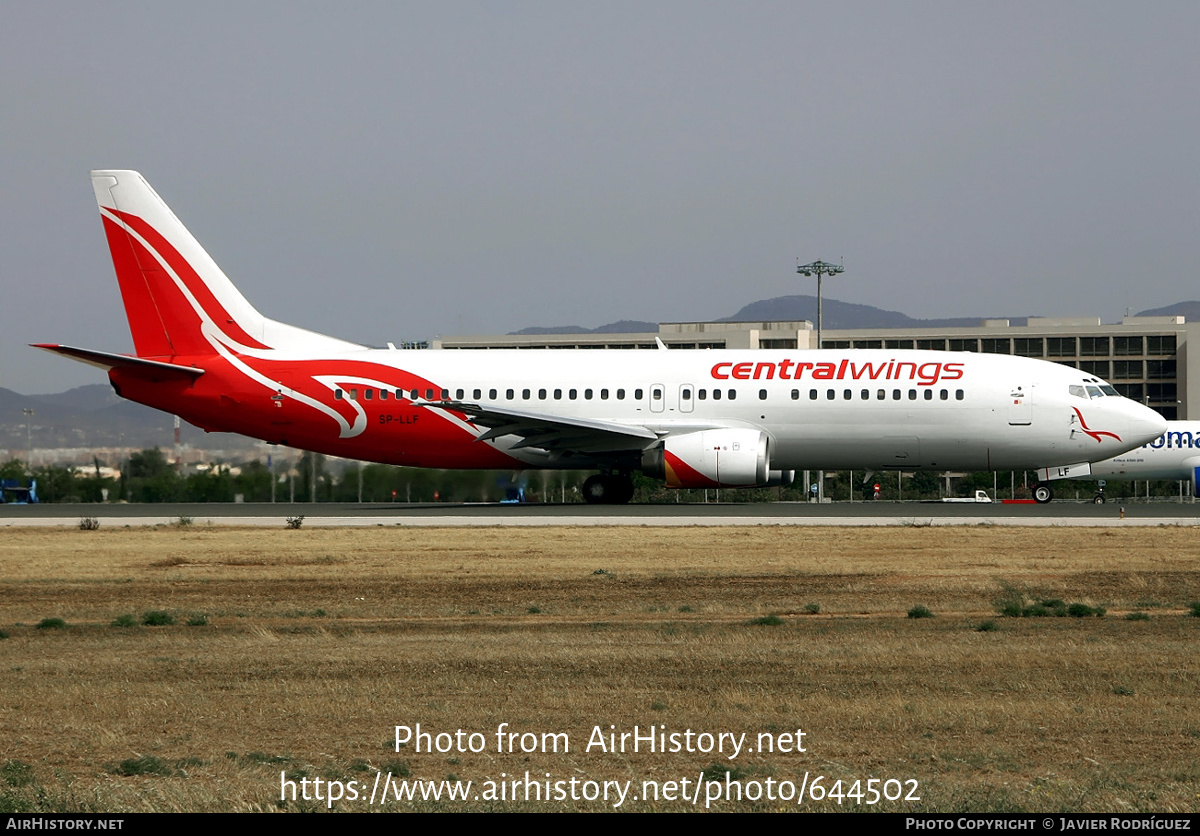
<point x="1142" y="424"/>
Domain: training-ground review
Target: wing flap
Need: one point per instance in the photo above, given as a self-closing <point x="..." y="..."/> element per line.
<point x="554" y="433"/>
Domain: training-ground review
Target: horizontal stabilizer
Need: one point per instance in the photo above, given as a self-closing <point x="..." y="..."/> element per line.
<point x="106" y="360"/>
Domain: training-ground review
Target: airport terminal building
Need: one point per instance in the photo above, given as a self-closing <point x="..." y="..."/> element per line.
<point x="1147" y="358"/>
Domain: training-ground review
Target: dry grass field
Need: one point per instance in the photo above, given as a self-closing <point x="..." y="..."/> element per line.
<point x="307" y="648"/>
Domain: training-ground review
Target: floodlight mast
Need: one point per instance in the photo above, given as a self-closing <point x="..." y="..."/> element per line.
<point x="820" y="269"/>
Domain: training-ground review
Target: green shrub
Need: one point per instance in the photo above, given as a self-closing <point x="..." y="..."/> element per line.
<point x="920" y="611"/>
<point x="16" y="773"/>
<point x="51" y="624"/>
<point x="158" y="618"/>
<point x="767" y="621"/>
<point x="812" y="608"/>
<point x="144" y="765"/>
<point x="988" y="626"/>
<point x="126" y="620"/>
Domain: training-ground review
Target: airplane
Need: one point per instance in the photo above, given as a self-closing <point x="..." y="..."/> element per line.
<point x="691" y="418"/>
<point x="1173" y="455"/>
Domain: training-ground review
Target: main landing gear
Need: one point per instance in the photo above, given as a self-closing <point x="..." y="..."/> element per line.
<point x="1042" y="493"/>
<point x="608" y="489"/>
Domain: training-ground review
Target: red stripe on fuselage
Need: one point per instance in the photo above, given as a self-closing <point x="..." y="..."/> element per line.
<point x="225" y="399"/>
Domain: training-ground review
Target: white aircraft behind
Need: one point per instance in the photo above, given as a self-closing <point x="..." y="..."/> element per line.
<point x="1173" y="455"/>
<point x="691" y="418"/>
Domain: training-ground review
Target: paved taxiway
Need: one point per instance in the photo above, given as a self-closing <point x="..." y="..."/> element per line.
<point x="712" y="514"/>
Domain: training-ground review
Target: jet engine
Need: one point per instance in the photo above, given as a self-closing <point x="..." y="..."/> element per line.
<point x="730" y="458"/>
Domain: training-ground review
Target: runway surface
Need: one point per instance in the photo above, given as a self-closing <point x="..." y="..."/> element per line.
<point x="710" y="514"/>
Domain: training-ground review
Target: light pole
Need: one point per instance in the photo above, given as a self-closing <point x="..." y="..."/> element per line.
<point x="820" y="269"/>
<point x="28" y="438"/>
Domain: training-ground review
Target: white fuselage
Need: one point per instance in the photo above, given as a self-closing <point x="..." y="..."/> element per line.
<point x="830" y="409"/>
<point x="1173" y="455"/>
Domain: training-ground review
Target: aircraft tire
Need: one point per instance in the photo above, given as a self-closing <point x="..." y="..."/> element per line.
<point x="601" y="489"/>
<point x="596" y="490"/>
<point x="1042" y="493"/>
<point x="1098" y="499"/>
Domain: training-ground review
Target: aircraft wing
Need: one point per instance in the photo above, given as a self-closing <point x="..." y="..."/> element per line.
<point x="555" y="433"/>
<point x="106" y="360"/>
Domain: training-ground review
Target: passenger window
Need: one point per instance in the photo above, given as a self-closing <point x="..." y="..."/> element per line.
<point x="795" y="394"/>
<point x="928" y="394"/>
<point x="762" y="394"/>
<point x="368" y="394"/>
<point x="458" y="394"/>
<point x="587" y="394"/>
<point x="558" y="394"/>
<point x="509" y="394"/>
<point x="477" y="394"/>
<point x="603" y="394"/>
<point x="525" y="394"/>
<point x="428" y="394"/>
<point x="701" y="393"/>
<point x="573" y="394"/>
<point x="912" y="394"/>
<point x="830" y="394"/>
<point x="945" y="395"/>
<point x="812" y="394"/>
<point x="686" y="394"/>
<point x="732" y="394"/>
<point x="958" y="394"/>
<point x="353" y="394"/>
<point x="491" y="394"/>
<point x="637" y="394"/>
<point x="656" y="393"/>
<point x="337" y="394"/>
<point x="620" y="394"/>
<point x="445" y="394"/>
<point x="866" y="394"/>
<point x="895" y="394"/>
<point x="383" y="394"/>
<point x="716" y="394"/>
<point x="541" y="394"/>
<point x="413" y="395"/>
<point x="880" y="394"/>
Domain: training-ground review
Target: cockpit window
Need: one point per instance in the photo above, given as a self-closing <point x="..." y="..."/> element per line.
<point x="1093" y="389"/>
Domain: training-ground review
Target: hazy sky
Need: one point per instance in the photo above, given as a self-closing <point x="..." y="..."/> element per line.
<point x="390" y="171"/>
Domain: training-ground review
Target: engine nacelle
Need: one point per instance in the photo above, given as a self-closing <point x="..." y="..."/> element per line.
<point x="732" y="458"/>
